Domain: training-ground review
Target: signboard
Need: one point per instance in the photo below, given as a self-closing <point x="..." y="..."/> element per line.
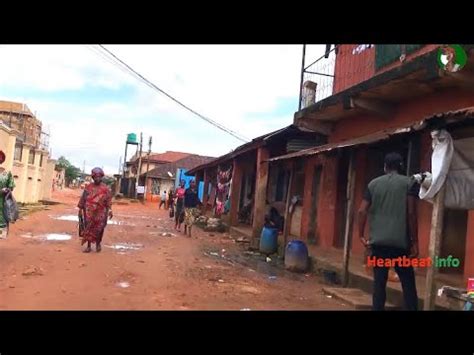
<point x="140" y="189"/>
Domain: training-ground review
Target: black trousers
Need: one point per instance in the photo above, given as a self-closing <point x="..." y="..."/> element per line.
<point x="406" y="275"/>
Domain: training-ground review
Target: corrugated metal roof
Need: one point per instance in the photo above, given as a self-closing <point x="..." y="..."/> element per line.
<point x="255" y="143"/>
<point x="449" y="116"/>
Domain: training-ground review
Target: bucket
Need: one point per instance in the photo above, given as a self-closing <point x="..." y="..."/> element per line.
<point x="269" y="241"/>
<point x="296" y="256"/>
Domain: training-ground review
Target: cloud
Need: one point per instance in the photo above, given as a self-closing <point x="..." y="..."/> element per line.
<point x="241" y="87"/>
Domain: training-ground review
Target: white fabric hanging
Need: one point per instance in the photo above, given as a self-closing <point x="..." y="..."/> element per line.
<point x="452" y="163"/>
<point x="440" y="161"/>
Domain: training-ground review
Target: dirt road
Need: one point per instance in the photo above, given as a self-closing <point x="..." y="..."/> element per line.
<point x="42" y="267"/>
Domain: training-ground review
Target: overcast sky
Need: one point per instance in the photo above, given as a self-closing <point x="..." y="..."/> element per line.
<point x="90" y="104"/>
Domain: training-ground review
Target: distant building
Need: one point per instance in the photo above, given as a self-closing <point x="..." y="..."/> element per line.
<point x="26" y="149"/>
<point x="163" y="178"/>
<point x="128" y="180"/>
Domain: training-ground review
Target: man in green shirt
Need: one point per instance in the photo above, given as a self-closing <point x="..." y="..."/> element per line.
<point x="389" y="203"/>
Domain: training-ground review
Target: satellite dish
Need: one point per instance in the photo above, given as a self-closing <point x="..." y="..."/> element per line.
<point x="170" y="175"/>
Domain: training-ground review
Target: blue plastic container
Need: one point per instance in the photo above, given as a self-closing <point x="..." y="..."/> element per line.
<point x="296" y="256"/>
<point x="269" y="241"/>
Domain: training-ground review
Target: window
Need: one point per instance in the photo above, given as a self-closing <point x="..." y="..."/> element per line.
<point x="282" y="185"/>
<point x="386" y="54"/>
<point x="18" y="150"/>
<point x="31" y="157"/>
<point x="41" y="160"/>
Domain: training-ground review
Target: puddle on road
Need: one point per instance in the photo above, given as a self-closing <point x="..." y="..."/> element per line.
<point x="127" y="216"/>
<point x="49" y="237"/>
<point x="58" y="236"/>
<point x="75" y="218"/>
<point x="123" y="284"/>
<point x="125" y="246"/>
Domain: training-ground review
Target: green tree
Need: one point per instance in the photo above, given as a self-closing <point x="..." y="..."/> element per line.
<point x="71" y="172"/>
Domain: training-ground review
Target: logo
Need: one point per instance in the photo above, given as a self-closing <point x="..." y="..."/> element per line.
<point x="452" y="58"/>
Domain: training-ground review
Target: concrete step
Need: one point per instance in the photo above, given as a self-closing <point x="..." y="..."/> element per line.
<point x="355" y="297"/>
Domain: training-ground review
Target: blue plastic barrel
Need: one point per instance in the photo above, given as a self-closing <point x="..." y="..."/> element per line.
<point x="269" y="241"/>
<point x="296" y="256"/>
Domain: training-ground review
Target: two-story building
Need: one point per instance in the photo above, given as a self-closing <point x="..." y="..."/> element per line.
<point x="375" y="99"/>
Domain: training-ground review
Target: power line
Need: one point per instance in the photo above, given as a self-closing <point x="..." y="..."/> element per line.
<point x="152" y="85"/>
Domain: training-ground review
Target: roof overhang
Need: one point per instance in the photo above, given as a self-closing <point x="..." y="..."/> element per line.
<point x="438" y="120"/>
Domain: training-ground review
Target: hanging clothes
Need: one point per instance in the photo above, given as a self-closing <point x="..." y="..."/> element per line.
<point x="452" y="164"/>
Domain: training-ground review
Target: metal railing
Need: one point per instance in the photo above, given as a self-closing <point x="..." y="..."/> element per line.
<point x="356" y="65"/>
<point x="321" y="72"/>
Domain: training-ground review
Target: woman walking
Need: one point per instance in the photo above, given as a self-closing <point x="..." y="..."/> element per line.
<point x="94" y="208"/>
<point x="179" y="214"/>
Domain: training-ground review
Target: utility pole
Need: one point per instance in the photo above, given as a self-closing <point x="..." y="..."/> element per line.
<point x="125" y="160"/>
<point x="147" y="164"/>
<point x="139" y="165"/>
<point x="302" y="76"/>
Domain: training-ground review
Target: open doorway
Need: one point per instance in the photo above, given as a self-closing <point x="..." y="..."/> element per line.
<point x="454" y="238"/>
<point x="313" y="221"/>
<point x="341" y="201"/>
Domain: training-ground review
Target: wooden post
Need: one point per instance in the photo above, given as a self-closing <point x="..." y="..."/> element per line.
<point x="205" y="196"/>
<point x="349" y="219"/>
<point x="409" y="157"/>
<point x="148" y="168"/>
<point x="286" y="230"/>
<point x="434" y="248"/>
<point x="260" y="192"/>
<point x="139" y="166"/>
<point x="235" y="194"/>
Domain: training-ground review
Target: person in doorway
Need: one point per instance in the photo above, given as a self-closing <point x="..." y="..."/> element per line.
<point x="7" y="184"/>
<point x="246" y="212"/>
<point x="179" y="202"/>
<point x="191" y="210"/>
<point x="390" y="205"/>
<point x="163" y="199"/>
<point x="273" y="219"/>
<point x="95" y="206"/>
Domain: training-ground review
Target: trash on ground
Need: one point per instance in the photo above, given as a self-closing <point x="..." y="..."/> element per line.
<point x="214" y="254"/>
<point x="168" y="234"/>
<point x="220" y="280"/>
<point x="245" y="309"/>
<point x="33" y="271"/>
<point x="268" y="259"/>
<point x="328" y="296"/>
<point x="272" y="277"/>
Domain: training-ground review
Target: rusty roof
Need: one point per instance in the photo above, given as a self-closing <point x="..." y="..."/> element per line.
<point x="169" y="156"/>
<point x="253" y="144"/>
<point x="447" y="117"/>
<point x="188" y="162"/>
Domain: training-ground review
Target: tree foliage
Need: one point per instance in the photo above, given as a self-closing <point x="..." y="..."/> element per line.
<point x="71" y="172"/>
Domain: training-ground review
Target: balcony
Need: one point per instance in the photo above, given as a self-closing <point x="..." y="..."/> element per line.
<point x="363" y="79"/>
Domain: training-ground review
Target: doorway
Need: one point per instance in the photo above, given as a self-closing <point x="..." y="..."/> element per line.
<point x="313" y="222"/>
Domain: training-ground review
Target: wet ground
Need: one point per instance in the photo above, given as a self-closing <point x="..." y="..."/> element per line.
<point x="144" y="264"/>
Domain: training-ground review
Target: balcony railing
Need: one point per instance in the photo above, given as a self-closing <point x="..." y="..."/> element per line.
<point x="320" y="72"/>
<point x="336" y="70"/>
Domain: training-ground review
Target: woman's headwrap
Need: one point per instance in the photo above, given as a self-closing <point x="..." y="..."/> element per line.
<point x="2" y="157"/>
<point x="97" y="172"/>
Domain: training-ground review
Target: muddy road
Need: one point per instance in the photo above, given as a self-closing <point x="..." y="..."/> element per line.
<point x="144" y="265"/>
